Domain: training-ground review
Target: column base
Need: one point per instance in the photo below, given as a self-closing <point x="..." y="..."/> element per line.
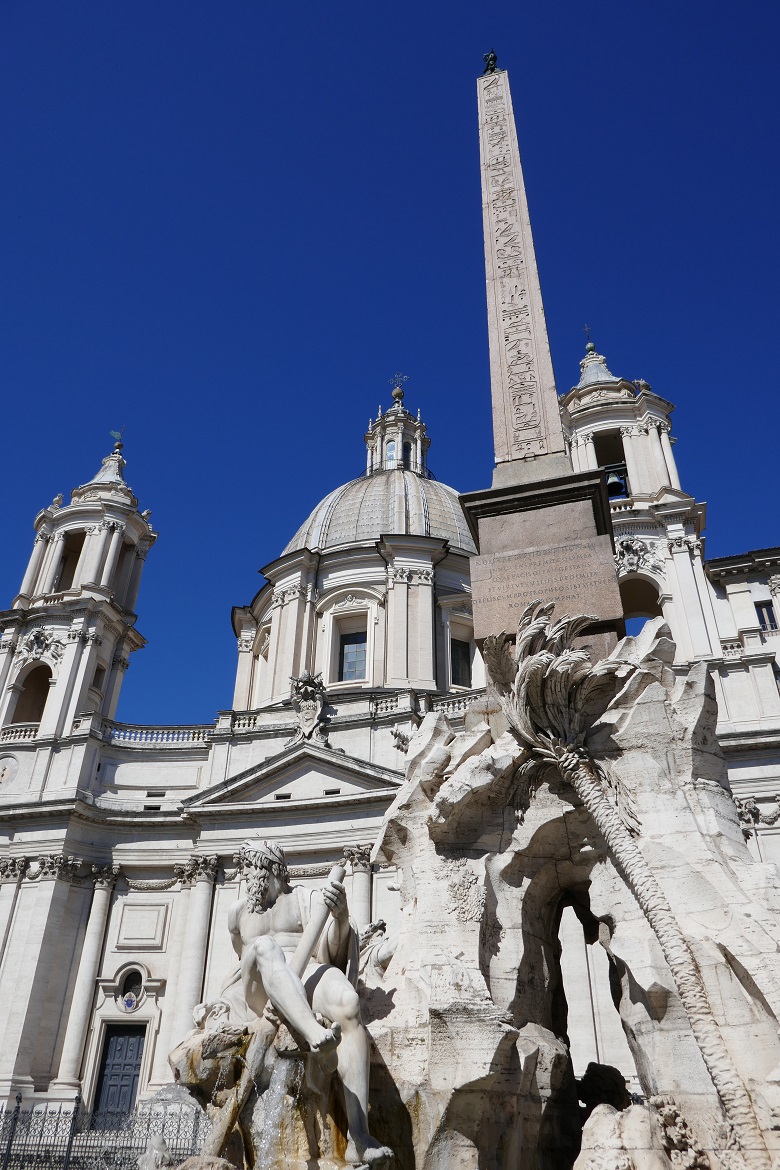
<point x="64" y="1088"/>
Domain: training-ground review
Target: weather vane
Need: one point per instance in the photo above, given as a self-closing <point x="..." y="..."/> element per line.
<point x="117" y="436"/>
<point x="586" y="331"/>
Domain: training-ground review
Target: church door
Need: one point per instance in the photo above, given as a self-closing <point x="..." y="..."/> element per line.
<point x="120" y="1068"/>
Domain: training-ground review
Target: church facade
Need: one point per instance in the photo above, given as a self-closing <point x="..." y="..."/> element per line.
<point x="119" y="845"/>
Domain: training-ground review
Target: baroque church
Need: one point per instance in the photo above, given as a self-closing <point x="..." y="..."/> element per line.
<point x="119" y="849"/>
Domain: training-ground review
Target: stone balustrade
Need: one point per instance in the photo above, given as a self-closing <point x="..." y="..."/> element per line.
<point x="125" y="735"/>
<point x="16" y="732"/>
<point x="459" y="703"/>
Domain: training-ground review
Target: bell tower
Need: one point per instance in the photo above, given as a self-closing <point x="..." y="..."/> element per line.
<point x="67" y="638"/>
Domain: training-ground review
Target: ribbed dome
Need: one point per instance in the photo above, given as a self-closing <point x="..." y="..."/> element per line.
<point x="391" y="503"/>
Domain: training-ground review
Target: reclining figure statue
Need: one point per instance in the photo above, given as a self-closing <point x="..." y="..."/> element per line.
<point x="266" y="927"/>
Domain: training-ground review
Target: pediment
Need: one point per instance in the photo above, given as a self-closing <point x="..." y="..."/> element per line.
<point x="306" y="773"/>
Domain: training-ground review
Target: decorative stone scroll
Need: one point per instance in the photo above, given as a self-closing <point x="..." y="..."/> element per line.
<point x="55" y="865"/>
<point x="526" y="420"/>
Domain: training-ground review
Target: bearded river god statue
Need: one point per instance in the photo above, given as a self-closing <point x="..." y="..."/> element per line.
<point x="598" y="789"/>
<point x="291" y="994"/>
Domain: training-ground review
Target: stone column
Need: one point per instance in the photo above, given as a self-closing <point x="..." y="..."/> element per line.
<point x="199" y="873"/>
<point x="104" y="877"/>
<point x="632" y="464"/>
<point x="34" y="565"/>
<point x="169" y="1035"/>
<point x="680" y="548"/>
<point x="671" y="463"/>
<point x="24" y="983"/>
<point x="591" y="461"/>
<point x="359" y="858"/>
<point x="135" y="578"/>
<point x="53" y="563"/>
<point x="113" y="554"/>
<point x="774" y="589"/>
<point x="12" y="870"/>
<point x="398" y="642"/>
<point x="659" y="461"/>
<point x="88" y="568"/>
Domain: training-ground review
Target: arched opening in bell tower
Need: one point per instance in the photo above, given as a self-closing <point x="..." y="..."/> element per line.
<point x="71" y="551"/>
<point x="33" y="695"/>
<point x="641" y="601"/>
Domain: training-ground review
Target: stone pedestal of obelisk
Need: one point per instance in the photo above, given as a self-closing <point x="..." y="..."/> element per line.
<point x="542" y="530"/>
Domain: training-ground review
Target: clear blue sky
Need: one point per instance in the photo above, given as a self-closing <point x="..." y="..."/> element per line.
<point x="225" y="225"/>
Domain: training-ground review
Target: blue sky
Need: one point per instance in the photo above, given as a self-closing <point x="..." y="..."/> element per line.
<point x="224" y="226"/>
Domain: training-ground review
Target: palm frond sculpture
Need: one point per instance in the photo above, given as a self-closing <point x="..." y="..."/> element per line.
<point x="552" y="696"/>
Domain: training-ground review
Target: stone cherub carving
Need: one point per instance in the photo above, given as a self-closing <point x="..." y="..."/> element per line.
<point x="320" y="1006"/>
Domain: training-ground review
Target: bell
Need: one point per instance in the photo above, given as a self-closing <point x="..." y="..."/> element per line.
<point x="616" y="485"/>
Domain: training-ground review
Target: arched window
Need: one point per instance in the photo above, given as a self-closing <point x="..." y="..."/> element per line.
<point x="407" y="455"/>
<point x="390" y="453"/>
<point x="33" y="695"/>
<point x="132" y="984"/>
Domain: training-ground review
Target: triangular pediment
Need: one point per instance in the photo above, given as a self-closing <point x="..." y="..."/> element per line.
<point x="302" y="773"/>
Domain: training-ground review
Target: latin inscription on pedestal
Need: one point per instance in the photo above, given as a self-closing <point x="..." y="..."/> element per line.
<point x="579" y="577"/>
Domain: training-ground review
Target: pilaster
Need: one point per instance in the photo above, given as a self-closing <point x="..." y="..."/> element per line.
<point x="199" y="874"/>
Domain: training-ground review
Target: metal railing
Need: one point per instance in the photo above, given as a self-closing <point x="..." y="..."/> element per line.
<point x="69" y="1137"/>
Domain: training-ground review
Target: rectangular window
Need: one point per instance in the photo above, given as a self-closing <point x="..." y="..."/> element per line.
<point x="352" y="656"/>
<point x="766" y="615"/>
<point x="460" y="662"/>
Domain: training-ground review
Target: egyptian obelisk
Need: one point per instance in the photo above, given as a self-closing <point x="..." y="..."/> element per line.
<point x="543" y="531"/>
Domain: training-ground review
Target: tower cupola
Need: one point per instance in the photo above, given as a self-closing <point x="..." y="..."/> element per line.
<point x="396" y="439"/>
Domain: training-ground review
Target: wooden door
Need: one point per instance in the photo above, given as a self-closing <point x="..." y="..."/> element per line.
<point x="120" y="1067"/>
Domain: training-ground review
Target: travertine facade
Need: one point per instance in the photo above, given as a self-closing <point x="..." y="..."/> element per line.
<point x="119" y="845"/>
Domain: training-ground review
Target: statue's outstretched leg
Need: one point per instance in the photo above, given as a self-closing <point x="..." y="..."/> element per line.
<point x="334" y="997"/>
<point x="266" y="976"/>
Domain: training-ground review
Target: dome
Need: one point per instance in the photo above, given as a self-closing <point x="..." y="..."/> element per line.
<point x="394" y="502"/>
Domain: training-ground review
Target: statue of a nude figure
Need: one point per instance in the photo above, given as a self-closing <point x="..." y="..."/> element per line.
<point x="265" y="928"/>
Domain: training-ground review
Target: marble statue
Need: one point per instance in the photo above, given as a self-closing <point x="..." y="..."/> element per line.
<point x="311" y="991"/>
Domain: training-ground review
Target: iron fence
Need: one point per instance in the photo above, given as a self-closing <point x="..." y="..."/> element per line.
<point x="70" y="1137"/>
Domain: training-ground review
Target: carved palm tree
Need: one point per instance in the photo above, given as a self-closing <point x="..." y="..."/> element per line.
<point x="552" y="696"/>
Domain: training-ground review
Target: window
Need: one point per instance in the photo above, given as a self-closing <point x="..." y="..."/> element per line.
<point x="100" y="678"/>
<point x="407" y="449"/>
<point x="766" y="615"/>
<point x="460" y="662"/>
<point x="390" y="453"/>
<point x="352" y="656"/>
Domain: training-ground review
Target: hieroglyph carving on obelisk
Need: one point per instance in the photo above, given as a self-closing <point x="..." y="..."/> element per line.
<point x="526" y="419"/>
